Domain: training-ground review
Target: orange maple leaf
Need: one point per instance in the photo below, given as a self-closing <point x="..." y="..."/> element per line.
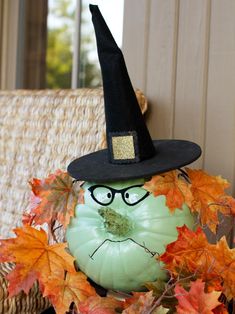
<point x="54" y="199"/>
<point x="63" y="291"/>
<point x="196" y="301"/>
<point x="191" y="255"/>
<point x="98" y="305"/>
<point x="213" y="263"/>
<point x="224" y="265"/>
<point x="208" y="192"/>
<point x="142" y="304"/>
<point x="171" y="184"/>
<point x="34" y="258"/>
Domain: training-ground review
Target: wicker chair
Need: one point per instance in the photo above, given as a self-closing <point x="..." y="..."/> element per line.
<point x="41" y="131"/>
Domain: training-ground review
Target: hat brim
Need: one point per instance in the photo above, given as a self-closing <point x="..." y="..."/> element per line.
<point x="170" y="154"/>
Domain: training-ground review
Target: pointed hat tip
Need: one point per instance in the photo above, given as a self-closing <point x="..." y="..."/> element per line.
<point x="93" y="7"/>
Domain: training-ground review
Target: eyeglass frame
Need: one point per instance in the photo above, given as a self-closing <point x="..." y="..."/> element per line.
<point x="114" y="192"/>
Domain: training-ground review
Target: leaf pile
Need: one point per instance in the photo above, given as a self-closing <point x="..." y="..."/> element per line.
<point x="192" y="254"/>
<point x="201" y="274"/>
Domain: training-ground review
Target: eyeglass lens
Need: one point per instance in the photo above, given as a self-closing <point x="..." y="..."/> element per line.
<point x="131" y="195"/>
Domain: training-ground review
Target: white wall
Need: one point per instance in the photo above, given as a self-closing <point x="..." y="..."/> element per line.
<point x="181" y="53"/>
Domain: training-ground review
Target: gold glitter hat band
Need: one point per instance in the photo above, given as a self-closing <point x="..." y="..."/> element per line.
<point x="123" y="147"/>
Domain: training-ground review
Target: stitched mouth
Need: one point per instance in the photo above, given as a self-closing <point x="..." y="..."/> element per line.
<point x="119" y="241"/>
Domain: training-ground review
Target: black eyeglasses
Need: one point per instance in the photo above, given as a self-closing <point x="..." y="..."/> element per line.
<point x="131" y="195"/>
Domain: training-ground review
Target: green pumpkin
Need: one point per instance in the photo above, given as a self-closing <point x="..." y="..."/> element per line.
<point x="116" y="237"/>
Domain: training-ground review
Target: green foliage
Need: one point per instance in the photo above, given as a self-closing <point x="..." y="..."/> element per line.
<point x="59" y="50"/>
<point x="59" y="59"/>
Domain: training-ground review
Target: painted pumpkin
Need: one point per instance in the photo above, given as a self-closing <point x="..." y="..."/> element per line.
<point x="117" y="233"/>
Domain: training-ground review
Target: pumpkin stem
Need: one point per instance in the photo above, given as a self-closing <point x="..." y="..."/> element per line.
<point x="114" y="222"/>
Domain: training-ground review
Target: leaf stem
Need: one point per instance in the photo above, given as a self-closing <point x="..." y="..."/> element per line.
<point x="168" y="288"/>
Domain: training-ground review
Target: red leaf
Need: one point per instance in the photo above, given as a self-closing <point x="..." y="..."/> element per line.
<point x="196" y="301"/>
<point x="191" y="255"/>
<point x="20" y="280"/>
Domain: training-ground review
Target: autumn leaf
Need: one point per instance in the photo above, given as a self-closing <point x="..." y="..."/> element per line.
<point x="191" y="255"/>
<point x="19" y="279"/>
<point x="34" y="258"/>
<point x="196" y="301"/>
<point x="133" y="298"/>
<point x="99" y="305"/>
<point x="208" y="192"/>
<point x="143" y="304"/>
<point x="163" y="290"/>
<point x="27" y="219"/>
<point x="160" y="310"/>
<point x="158" y="287"/>
<point x="227" y="201"/>
<point x="81" y="196"/>
<point x="171" y="184"/>
<point x="203" y="193"/>
<point x="213" y="263"/>
<point x="54" y="198"/>
<point x="224" y="265"/>
<point x="221" y="309"/>
<point x="62" y="292"/>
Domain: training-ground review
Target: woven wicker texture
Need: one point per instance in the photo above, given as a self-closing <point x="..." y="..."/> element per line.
<point x="33" y="303"/>
<point x="41" y="131"/>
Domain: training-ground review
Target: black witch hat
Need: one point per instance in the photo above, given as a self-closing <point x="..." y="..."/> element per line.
<point x="131" y="153"/>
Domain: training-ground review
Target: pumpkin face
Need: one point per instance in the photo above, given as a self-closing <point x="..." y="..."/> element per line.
<point x="116" y="235"/>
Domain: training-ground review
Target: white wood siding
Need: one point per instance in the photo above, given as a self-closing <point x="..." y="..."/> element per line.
<point x="181" y="53"/>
